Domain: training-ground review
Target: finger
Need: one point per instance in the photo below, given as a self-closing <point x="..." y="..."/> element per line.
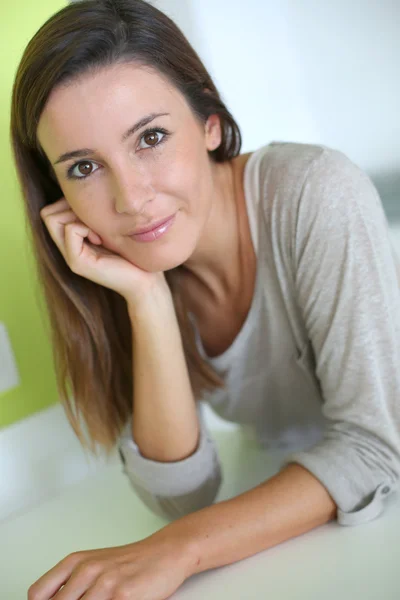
<point x="49" y="583"/>
<point x="94" y="238"/>
<point x="98" y="593"/>
<point x="54" y="207"/>
<point x="81" y="582"/>
<point x="56" y="223"/>
<point x="75" y="234"/>
<point x="104" y="588"/>
<point x="49" y="214"/>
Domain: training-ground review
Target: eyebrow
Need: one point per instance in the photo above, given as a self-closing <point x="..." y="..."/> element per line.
<point x="86" y="151"/>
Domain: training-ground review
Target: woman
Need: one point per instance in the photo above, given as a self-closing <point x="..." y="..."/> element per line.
<point x="175" y="269"/>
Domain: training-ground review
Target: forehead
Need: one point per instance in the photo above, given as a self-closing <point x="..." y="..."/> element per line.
<point x="110" y="99"/>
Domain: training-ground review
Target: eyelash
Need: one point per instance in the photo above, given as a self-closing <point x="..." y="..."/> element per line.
<point x="165" y="133"/>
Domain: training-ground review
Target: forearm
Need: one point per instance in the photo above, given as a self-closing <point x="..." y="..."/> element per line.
<point x="287" y="505"/>
<point x="165" y="423"/>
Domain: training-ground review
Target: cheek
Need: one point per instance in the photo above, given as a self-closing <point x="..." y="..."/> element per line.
<point x="90" y="206"/>
<point x="187" y="179"/>
<point x="92" y="216"/>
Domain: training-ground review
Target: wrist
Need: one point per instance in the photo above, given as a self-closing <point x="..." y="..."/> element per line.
<point x="178" y="541"/>
<point x="156" y="299"/>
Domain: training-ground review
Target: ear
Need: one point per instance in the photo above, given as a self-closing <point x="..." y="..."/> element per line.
<point x="213" y="132"/>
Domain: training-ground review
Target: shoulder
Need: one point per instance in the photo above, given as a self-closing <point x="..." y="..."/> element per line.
<point x="289" y="173"/>
<point x="296" y="188"/>
<point x="283" y="162"/>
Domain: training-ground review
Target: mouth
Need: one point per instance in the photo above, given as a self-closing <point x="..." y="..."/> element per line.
<point x="154" y="231"/>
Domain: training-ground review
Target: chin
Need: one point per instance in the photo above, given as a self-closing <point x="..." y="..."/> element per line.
<point x="164" y="262"/>
<point x="155" y="257"/>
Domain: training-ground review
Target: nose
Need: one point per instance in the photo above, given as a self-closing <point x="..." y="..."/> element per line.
<point x="132" y="192"/>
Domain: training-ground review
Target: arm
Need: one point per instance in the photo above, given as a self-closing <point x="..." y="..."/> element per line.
<point x="290" y="503"/>
<point x="347" y="289"/>
<point x="168" y="455"/>
<point x="165" y="424"/>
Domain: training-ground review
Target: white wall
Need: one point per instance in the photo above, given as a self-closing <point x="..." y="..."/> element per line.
<point x="312" y="71"/>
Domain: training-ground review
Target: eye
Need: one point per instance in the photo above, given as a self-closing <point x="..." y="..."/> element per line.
<point x="151" y="137"/>
<point x="83" y="173"/>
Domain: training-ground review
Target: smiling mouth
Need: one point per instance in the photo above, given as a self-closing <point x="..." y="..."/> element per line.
<point x="154" y="232"/>
<point x="152" y="227"/>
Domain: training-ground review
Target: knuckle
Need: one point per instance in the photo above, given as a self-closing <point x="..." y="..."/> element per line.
<point x="72" y="559"/>
<point x="89" y="569"/>
<point x="71" y="227"/>
<point x="107" y="580"/>
<point x="74" y="556"/>
<point x="32" y="592"/>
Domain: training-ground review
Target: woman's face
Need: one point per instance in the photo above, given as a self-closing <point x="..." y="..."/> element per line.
<point x="118" y="185"/>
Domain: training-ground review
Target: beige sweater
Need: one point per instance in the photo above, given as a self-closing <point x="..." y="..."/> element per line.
<point x="315" y="368"/>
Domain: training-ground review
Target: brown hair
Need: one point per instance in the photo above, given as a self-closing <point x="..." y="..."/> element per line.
<point x="90" y="325"/>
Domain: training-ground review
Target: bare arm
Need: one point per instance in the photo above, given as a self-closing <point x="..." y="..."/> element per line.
<point x="165" y="424"/>
<point x="290" y="503"/>
<point x="168" y="455"/>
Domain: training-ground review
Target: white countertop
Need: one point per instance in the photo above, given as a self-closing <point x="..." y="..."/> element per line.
<point x="331" y="562"/>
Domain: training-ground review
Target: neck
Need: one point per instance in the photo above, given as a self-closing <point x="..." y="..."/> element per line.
<point x="217" y="265"/>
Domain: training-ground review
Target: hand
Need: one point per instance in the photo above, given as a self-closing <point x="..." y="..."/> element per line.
<point x="151" y="569"/>
<point x="95" y="263"/>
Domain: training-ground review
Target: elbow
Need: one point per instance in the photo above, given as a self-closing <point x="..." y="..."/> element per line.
<point x="174" y="507"/>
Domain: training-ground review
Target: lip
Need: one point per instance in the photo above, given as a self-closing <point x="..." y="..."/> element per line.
<point x="155" y="232"/>
<point x="151" y="227"/>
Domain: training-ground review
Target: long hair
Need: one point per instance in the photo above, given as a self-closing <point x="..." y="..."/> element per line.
<point x="90" y="329"/>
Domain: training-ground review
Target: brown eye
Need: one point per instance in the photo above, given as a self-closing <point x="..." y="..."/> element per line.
<point x="85" y="168"/>
<point x="151" y="139"/>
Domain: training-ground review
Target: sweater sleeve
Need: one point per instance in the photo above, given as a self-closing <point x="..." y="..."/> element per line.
<point x="347" y="289"/>
<point x="173" y="489"/>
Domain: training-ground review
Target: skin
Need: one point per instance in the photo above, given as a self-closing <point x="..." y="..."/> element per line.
<point x="130" y="184"/>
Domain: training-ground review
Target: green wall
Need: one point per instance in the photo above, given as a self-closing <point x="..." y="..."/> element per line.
<point x="21" y="302"/>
